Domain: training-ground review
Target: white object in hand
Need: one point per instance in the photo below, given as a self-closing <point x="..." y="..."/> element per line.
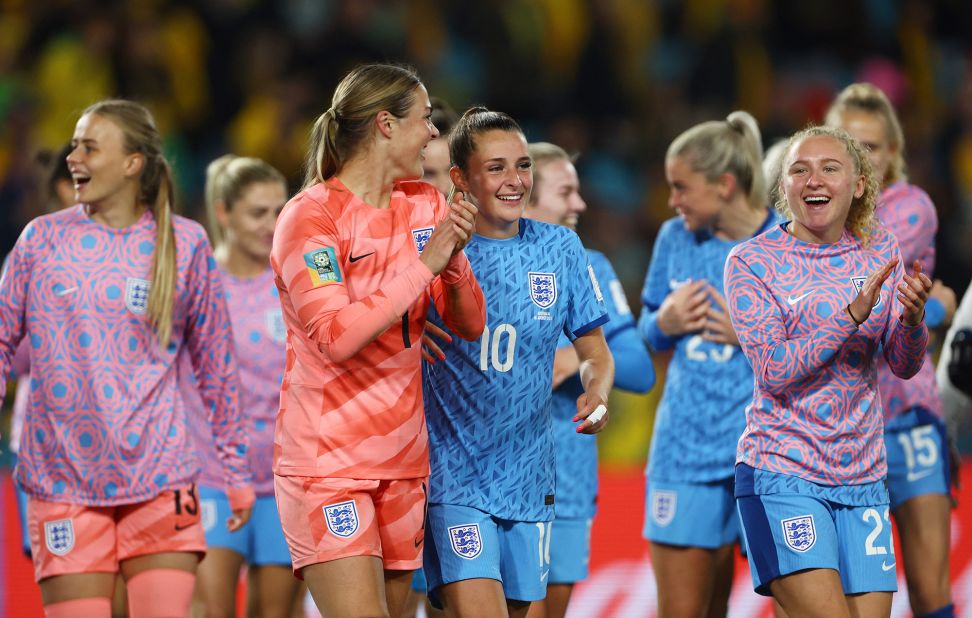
<point x="598" y="413"/>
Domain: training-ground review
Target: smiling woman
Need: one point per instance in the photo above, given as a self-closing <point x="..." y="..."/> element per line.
<point x="811" y="462"/>
<point x="491" y="501"/>
<point x="351" y="457"/>
<point x="109" y="469"/>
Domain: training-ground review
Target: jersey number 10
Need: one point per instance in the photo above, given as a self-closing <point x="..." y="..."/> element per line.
<point x="492" y="347"/>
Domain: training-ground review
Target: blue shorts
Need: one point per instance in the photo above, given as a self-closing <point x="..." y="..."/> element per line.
<point x="570" y="550"/>
<point x="465" y="543"/>
<point x="22" y="514"/>
<point x="261" y="541"/>
<point x="419" y="583"/>
<point x="792" y="531"/>
<point x="691" y="514"/>
<point x="918" y="456"/>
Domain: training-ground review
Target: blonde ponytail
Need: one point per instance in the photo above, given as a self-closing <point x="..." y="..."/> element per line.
<point x="164" y="268"/>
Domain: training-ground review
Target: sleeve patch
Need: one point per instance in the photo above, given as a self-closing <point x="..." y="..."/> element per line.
<point x="597" y="287"/>
<point x="322" y="266"/>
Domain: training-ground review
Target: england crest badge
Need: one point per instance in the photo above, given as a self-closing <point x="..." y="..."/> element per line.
<point x="275" y="325"/>
<point x="421" y="237"/>
<point x="543" y="289"/>
<point x="466" y="541"/>
<point x="207" y="514"/>
<point x="799" y="533"/>
<point x="59" y="536"/>
<point x="859" y="285"/>
<point x="137" y="294"/>
<point x="342" y="518"/>
<point x="663" y="505"/>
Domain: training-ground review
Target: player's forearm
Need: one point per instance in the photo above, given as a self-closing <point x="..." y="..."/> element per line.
<point x="465" y="305"/>
<point x="596" y="364"/>
<point x="341" y="334"/>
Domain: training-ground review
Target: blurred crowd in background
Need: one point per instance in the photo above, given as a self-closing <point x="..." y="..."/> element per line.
<point x="611" y="80"/>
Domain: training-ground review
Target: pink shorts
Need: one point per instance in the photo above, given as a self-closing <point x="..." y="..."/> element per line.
<point x="73" y="538"/>
<point x="327" y="519"/>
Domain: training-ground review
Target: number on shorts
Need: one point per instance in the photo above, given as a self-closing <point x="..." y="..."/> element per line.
<point x="489" y="353"/>
<point x="544" y="528"/>
<point x="872" y="516"/>
<point x="919" y="447"/>
<point x="191" y="506"/>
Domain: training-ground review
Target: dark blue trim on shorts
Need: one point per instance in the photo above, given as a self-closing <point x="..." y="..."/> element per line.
<point x="760" y="542"/>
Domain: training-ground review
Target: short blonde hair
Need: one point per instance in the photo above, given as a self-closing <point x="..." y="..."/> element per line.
<point x="869" y="98"/>
<point x="860" y="219"/>
<point x="731" y="146"/>
<point x="226" y="179"/>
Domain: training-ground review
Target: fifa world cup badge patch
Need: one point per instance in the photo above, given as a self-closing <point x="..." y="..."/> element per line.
<point x="859" y="285"/>
<point x="137" y="294"/>
<point x="322" y="267"/>
<point x="466" y="541"/>
<point x="421" y="237"/>
<point x="799" y="533"/>
<point x="597" y="286"/>
<point x="59" y="536"/>
<point x="342" y="518"/>
<point x="663" y="505"/>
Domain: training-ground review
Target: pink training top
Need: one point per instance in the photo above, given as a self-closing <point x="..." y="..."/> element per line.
<point x="355" y="295"/>
<point x="20" y="367"/>
<point x="260" y="337"/>
<point x="106" y="424"/>
<point x="909" y="214"/>
<point x="816" y="413"/>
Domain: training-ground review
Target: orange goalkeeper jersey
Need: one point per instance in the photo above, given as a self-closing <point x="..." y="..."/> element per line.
<point x="354" y="296"/>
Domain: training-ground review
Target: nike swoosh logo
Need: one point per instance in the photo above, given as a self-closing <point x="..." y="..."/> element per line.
<point x="355" y="258"/>
<point x="795" y="299"/>
<point x="674" y="283"/>
<point x="887" y="567"/>
<point x="178" y="527"/>
<point x="66" y="291"/>
<point x="914" y="476"/>
<point x="418" y="542"/>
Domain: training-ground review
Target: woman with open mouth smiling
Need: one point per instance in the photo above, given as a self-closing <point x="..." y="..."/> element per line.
<point x="488" y="402"/>
<point x="110" y="293"/>
<point x="813" y="300"/>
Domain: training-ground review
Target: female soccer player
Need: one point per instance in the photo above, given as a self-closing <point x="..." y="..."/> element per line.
<point x="812" y="300"/>
<point x="491" y="495"/>
<point x="359" y="255"/>
<point x="915" y="437"/>
<point x="556" y="199"/>
<point x="715" y="176"/>
<point x="244" y="196"/>
<point x="109" y="294"/>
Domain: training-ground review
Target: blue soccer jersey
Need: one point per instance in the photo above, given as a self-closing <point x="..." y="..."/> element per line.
<point x="488" y="403"/>
<point x="708" y="385"/>
<point x="576" y="453"/>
